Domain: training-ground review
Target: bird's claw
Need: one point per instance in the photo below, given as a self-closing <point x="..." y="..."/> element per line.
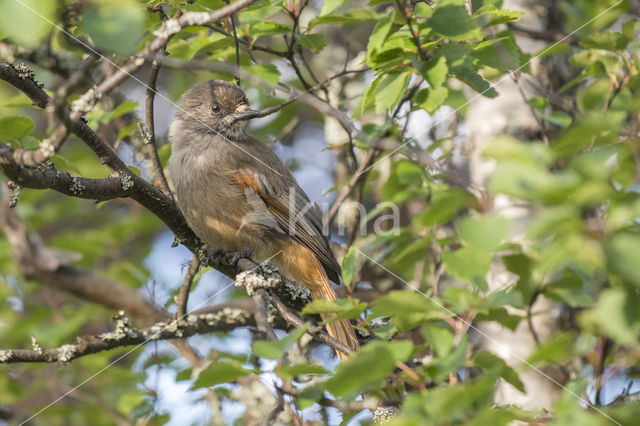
<point x="233" y="257"/>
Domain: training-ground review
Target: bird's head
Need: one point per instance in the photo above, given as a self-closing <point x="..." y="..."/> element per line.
<point x="216" y="107"/>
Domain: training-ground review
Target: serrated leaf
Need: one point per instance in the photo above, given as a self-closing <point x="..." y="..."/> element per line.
<point x="289" y="371"/>
<point x="367" y="368"/>
<point x="439" y="337"/>
<point x="477" y="83"/>
<point x="26" y="22"/>
<point x="313" y="42"/>
<point x="390" y="90"/>
<point x="486" y="232"/>
<point x="349" y="266"/>
<point x="353" y="16"/>
<point x="490" y="15"/>
<point x="114" y="25"/>
<point x="15" y="127"/>
<point x="435" y="71"/>
<point x="430" y="99"/>
<point x="275" y="349"/>
<point x="264" y="28"/>
<point x="330" y="6"/>
<point x="453" y="22"/>
<point x="558" y="118"/>
<point x="266" y="72"/>
<point x="489" y="361"/>
<point x="470" y="264"/>
<point x="379" y="35"/>
<point x="220" y="372"/>
<point x="407" y="308"/>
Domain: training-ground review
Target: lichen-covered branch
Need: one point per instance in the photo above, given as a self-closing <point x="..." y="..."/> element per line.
<point x="124" y="335"/>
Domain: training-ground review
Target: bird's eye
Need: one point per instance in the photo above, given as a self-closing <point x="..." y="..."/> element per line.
<point x="215" y="109"/>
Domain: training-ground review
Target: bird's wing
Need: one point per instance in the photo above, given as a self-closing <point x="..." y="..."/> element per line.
<point x="294" y="214"/>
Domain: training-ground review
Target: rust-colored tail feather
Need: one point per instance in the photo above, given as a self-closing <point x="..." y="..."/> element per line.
<point x="300" y="264"/>
<point x="341" y="330"/>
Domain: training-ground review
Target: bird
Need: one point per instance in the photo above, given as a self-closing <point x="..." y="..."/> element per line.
<point x="238" y="196"/>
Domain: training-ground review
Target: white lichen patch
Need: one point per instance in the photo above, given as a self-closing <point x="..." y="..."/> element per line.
<point x="127" y="182"/>
<point x="6" y="355"/>
<point x="383" y="415"/>
<point x="47" y="148"/>
<point x="265" y="276"/>
<point x="66" y="353"/>
<point x="24" y="72"/>
<point x="76" y="187"/>
<point x="84" y="103"/>
<point x="36" y="347"/>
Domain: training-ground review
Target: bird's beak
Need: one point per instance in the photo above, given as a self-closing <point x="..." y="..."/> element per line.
<point x="246" y="115"/>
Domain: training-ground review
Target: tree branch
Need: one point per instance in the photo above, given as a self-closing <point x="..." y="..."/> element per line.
<point x="185" y="288"/>
<point x="224" y="320"/>
<point x="150" y="132"/>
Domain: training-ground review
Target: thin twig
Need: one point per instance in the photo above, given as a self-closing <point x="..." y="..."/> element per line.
<point x="185" y="288"/>
<point x="314" y="330"/>
<point x="150" y="133"/>
<point x="236" y="75"/>
<point x="260" y="303"/>
<point x="414" y="34"/>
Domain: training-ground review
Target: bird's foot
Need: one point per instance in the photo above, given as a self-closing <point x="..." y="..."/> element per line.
<point x="210" y="256"/>
<point x="233" y="257"/>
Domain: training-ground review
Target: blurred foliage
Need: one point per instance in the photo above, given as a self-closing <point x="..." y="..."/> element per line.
<point x="576" y="178"/>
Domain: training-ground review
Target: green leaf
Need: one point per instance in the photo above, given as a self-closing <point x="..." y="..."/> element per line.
<point x="558" y="118"/>
<point x="615" y="315"/>
<point x="290" y="371"/>
<point x="313" y="42"/>
<point x="367" y="367"/>
<point x="344" y="307"/>
<point x="622" y="250"/>
<point x="407" y="308"/>
<point x="440" y="368"/>
<point x="258" y="11"/>
<point x="555" y="350"/>
<point x="390" y="90"/>
<point x="15" y="127"/>
<point x="440" y="337"/>
<point x="264" y="28"/>
<point x="330" y="6"/>
<point x="379" y="35"/>
<point x="275" y="349"/>
<point x="485" y="232"/>
<point x="115" y="25"/>
<point x="220" y="372"/>
<point x="349" y="266"/>
<point x="65" y="165"/>
<point x="431" y="99"/>
<point x="489" y="361"/>
<point x="470" y="264"/>
<point x="490" y="15"/>
<point x="453" y="22"/>
<point x="353" y="16"/>
<point x="434" y="71"/>
<point x="308" y="396"/>
<point x="605" y="40"/>
<point x="266" y="72"/>
<point x="538" y="102"/>
<point x="445" y="203"/>
<point x="477" y="83"/>
<point x="122" y="109"/>
<point x="500" y="53"/>
<point x="27" y="22"/>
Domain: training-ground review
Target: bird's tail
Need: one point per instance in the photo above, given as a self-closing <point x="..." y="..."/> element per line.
<point x="341" y="330"/>
<point x="300" y="264"/>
